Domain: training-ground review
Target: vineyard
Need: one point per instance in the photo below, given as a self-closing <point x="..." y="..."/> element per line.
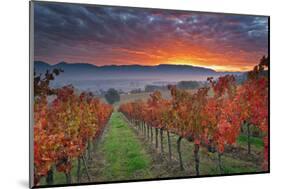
<point x="74" y="131"/>
<point x="212" y="117"/>
<point x="64" y="129"/>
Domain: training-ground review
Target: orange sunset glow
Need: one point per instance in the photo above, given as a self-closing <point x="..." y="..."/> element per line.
<point x="119" y="36"/>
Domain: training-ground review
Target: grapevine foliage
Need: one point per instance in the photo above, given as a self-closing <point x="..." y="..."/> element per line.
<point x="212" y="116"/>
<point x="63" y="126"/>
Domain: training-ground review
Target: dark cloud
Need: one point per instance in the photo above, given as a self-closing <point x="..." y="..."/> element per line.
<point x="107" y="35"/>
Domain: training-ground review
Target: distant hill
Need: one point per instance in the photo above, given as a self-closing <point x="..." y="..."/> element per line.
<point x="125" y="77"/>
<point x="80" y="68"/>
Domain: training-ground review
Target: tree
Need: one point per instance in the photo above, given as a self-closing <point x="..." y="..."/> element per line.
<point x="112" y="96"/>
<point x="210" y="117"/>
<point x="220" y="120"/>
<point x="63" y="130"/>
<point x="42" y="83"/>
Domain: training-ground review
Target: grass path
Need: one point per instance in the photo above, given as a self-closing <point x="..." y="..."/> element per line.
<point x="121" y="154"/>
<point x="125" y="155"/>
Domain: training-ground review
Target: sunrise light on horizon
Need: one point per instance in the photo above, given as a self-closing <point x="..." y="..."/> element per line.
<point x="125" y="36"/>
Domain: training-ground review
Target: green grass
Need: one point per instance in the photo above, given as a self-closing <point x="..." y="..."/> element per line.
<point x="208" y="161"/>
<point x="122" y="155"/>
<point x="257" y="142"/>
<point x="59" y="178"/>
<point x="123" y="152"/>
<point x="234" y="170"/>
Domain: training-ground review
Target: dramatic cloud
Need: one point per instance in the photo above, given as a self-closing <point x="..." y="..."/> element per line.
<point x="115" y="35"/>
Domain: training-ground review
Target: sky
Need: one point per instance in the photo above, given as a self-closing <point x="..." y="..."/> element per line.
<point x="122" y="36"/>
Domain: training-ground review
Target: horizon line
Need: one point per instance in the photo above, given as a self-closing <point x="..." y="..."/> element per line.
<point x="143" y="65"/>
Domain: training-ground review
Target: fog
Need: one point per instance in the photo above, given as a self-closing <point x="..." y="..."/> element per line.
<point x="123" y="82"/>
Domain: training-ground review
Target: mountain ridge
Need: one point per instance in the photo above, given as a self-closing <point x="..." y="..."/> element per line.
<point x="41" y="65"/>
